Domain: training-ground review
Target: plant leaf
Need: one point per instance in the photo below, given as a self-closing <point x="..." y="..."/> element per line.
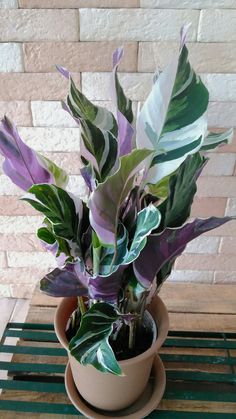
<point x="90" y="344"/>
<point x="172" y="121"/>
<point x="213" y="139"/>
<point x="147" y="220"/>
<point x="182" y="187"/>
<point x="64" y="283"/>
<point x="100" y="149"/>
<point x="124" y="108"/>
<point x="167" y="245"/>
<point x="64" y="212"/>
<point x="106" y="200"/>
<point x="60" y="176"/>
<point x="21" y="163"/>
<point x="106" y="288"/>
<point x="82" y="109"/>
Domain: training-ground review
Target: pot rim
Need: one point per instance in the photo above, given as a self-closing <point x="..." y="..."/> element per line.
<point x="149" y="352"/>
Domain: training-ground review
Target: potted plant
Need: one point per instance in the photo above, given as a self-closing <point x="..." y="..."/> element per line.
<point x="115" y="250"/>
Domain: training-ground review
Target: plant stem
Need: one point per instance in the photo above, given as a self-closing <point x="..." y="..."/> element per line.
<point x="131" y="334"/>
<point x="81" y="305"/>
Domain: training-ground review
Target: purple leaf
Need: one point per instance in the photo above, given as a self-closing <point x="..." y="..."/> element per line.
<point x="169" y="244"/>
<point x="106" y="288"/>
<point x="53" y="248"/>
<point x="125" y="134"/>
<point x="63" y="71"/>
<point x="64" y="282"/>
<point x="21" y="163"/>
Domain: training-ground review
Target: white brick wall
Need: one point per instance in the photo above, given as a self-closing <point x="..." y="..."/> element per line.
<point x="81" y="35"/>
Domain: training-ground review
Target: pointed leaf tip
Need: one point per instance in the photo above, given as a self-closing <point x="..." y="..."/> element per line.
<point x="63" y="71"/>
<point x="117" y="56"/>
<point x="183" y="34"/>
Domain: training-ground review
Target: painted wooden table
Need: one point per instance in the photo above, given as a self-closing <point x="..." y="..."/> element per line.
<point x="199" y="356"/>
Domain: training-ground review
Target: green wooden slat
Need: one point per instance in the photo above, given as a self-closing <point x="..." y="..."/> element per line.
<point x="183" y="333"/>
<point x="200" y="343"/>
<point x="201" y="359"/>
<point x="167" y="414"/>
<point x="31" y="335"/>
<point x="200" y="395"/>
<point x="31" y="350"/>
<point x="37" y="407"/>
<point x="35" y="326"/>
<point x="200" y="376"/>
<point x="33" y="386"/>
<point x="18" y="366"/>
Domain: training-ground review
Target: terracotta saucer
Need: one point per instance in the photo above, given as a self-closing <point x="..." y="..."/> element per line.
<point x="146" y="403"/>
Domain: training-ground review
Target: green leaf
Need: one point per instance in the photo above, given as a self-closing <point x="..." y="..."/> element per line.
<point x="124" y="105"/>
<point x="105" y="202"/>
<point x="147" y="219"/>
<point x="172" y="121"/>
<point x="100" y="149"/>
<point x="90" y="345"/>
<point x="45" y="235"/>
<point x="60" y="176"/>
<point x="214" y="139"/>
<point x="57" y="205"/>
<point x="161" y="188"/>
<point x="83" y="109"/>
<point x="182" y="188"/>
<point x="112" y="257"/>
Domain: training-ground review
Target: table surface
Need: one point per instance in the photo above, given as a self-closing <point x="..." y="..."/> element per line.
<point x="201" y="367"/>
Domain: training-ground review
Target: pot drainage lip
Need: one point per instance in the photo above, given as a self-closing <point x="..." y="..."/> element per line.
<point x="146" y="403"/>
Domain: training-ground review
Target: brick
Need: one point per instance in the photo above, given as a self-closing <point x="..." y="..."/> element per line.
<point x="204" y="57"/>
<point x="217" y="26"/>
<point x="70" y="162"/>
<point x="11" y="205"/>
<point x="39" y="25"/>
<point x="17" y="111"/>
<point x="8" y="4"/>
<point x="188" y="4"/>
<point x="77" y="186"/>
<point x="208" y="207"/>
<point x="220" y="164"/>
<point x="29" y="275"/>
<point x="222" y="87"/>
<point x="19" y="224"/>
<point x="206" y="262"/>
<point x="216" y="186"/>
<point x="221" y="114"/>
<point x="75" y="4"/>
<point x="2" y="260"/>
<point x="22" y="291"/>
<point x="228" y="245"/>
<point x="191" y="276"/>
<point x="10" y="58"/>
<point x="25" y="259"/>
<point x="226" y="277"/>
<point x="35" y="86"/>
<point x="8" y="188"/>
<point x="52" y="139"/>
<point x="203" y="244"/>
<point x="96" y="86"/>
<point x="128" y="25"/>
<point x="77" y="56"/>
<point x="5" y="290"/>
<point x="20" y="242"/>
<point x="51" y="114"/>
<point x="231" y="207"/>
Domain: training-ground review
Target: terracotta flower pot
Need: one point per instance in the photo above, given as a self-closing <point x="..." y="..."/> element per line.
<point x="107" y="391"/>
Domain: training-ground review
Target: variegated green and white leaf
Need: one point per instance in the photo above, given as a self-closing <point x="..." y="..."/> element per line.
<point x="100" y="149"/>
<point x="213" y="139"/>
<point x="172" y="121"/>
<point x="147" y="219"/>
<point x="82" y="108"/>
<point x="90" y="345"/>
<point x="60" y="176"/>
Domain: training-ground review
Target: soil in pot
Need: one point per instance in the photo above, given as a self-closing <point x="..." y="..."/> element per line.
<point x="144" y="338"/>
